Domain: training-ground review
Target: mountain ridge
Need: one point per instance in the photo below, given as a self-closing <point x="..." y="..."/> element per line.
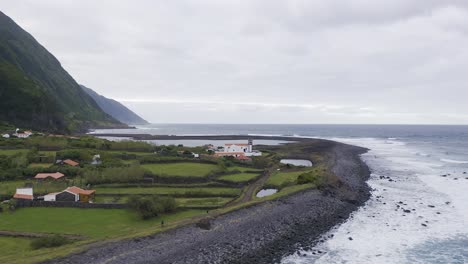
<point x="115" y="108"/>
<point x="36" y="92"/>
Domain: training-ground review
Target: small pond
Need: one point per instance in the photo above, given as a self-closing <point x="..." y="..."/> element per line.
<point x="297" y="162"/>
<point x="266" y="192"/>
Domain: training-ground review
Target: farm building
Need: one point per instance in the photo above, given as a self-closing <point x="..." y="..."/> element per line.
<point x="24" y="193"/>
<point x="85" y="196"/>
<point x="54" y="176"/>
<point x="71" y="162"/>
<point x="237" y="150"/>
<point x="66" y="196"/>
<point x="71" y="194"/>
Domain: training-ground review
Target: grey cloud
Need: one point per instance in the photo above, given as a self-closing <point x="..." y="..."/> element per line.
<point x="304" y="61"/>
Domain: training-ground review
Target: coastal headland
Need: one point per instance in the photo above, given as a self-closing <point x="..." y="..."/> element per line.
<point x="257" y="232"/>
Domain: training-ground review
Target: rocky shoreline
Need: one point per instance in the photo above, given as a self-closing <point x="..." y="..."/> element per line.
<point x="263" y="233"/>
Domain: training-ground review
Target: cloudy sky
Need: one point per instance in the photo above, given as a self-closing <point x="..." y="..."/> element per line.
<point x="308" y="61"/>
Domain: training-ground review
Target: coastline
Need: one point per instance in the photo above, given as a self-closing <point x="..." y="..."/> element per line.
<point x="261" y="233"/>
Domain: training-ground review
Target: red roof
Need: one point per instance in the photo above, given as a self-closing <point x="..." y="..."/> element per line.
<point x="77" y="190"/>
<point x="243" y="157"/>
<point x="56" y="175"/>
<point x="23" y="196"/>
<point x="71" y="162"/>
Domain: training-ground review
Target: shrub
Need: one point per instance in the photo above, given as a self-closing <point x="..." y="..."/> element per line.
<point x="48" y="242"/>
<point x="151" y="206"/>
<point x="310" y="177"/>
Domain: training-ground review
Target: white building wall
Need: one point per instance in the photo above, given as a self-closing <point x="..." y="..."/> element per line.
<point x="49" y="198"/>
<point x="24" y="191"/>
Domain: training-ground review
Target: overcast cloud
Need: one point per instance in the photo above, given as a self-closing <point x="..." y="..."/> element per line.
<point x="329" y="61"/>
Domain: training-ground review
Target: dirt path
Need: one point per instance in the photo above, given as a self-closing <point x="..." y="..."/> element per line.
<point x="248" y="194"/>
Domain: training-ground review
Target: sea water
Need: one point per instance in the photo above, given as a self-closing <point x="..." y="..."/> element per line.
<point x="417" y="212"/>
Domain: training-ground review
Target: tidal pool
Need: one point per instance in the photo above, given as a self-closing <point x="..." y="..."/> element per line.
<point x="297" y="162"/>
<point x="266" y="192"/>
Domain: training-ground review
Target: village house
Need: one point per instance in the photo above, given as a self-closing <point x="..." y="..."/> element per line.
<point x="70" y="162"/>
<point x="237" y="149"/>
<point x="24" y="193"/>
<point x="24" y="134"/>
<point x="71" y="194"/>
<point x="6" y="135"/>
<point x="54" y="176"/>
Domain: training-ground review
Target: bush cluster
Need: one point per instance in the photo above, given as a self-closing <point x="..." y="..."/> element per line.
<point x="48" y="242"/>
<point x="151" y="206"/>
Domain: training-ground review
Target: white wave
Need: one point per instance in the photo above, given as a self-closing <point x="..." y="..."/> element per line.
<point x="454" y="161"/>
<point x="381" y="231"/>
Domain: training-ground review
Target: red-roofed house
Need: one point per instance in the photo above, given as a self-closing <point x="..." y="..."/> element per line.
<point x="43" y="176"/>
<point x="85" y="195"/>
<point x="24" y="193"/>
<point x="71" y="162"/>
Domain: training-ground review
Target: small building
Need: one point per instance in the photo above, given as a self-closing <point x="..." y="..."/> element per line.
<point x="24" y="134"/>
<point x="84" y="196"/>
<point x="70" y="162"/>
<point x="24" y="193"/>
<point x="237" y="149"/>
<point x="54" y="176"/>
<point x="66" y="196"/>
<point x="6" y="136"/>
<point x="96" y="160"/>
<point x="50" y="197"/>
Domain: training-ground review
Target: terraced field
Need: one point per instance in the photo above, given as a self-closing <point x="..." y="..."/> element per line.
<point x="184" y="169"/>
<point x="239" y="177"/>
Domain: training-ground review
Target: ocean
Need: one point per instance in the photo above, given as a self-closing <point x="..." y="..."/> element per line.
<point x="418" y="210"/>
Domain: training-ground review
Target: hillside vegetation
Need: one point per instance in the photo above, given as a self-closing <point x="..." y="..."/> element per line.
<point x="36" y="92"/>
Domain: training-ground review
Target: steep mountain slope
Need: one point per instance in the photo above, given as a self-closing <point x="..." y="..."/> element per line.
<point x="115" y="109"/>
<point x="36" y="92"/>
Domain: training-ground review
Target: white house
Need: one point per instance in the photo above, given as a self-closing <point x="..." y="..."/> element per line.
<point x="6" y="136"/>
<point x="24" y="134"/>
<point x="24" y="193"/>
<point x="238" y="149"/>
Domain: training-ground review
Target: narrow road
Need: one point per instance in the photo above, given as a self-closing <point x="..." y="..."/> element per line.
<point x="248" y="194"/>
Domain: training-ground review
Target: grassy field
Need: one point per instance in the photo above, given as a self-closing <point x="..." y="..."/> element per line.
<point x="239" y="177"/>
<point x="279" y="179"/>
<point x="242" y="169"/>
<point x="202" y="202"/>
<point x="9" y="187"/>
<point x="181" y="202"/>
<point x="94" y="224"/>
<point x="185" y="169"/>
<point x="13" y="247"/>
<point x="40" y="165"/>
<point x="9" y="152"/>
<point x="169" y="191"/>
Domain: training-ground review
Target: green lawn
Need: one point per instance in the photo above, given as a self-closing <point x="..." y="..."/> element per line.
<point x="242" y="169"/>
<point x="211" y="201"/>
<point x="181" y="202"/>
<point x="40" y="165"/>
<point x="186" y="169"/>
<point x="9" y="187"/>
<point x="92" y="223"/>
<point x="95" y="224"/>
<point x="9" y="152"/>
<point x="239" y="177"/>
<point x="170" y="191"/>
<point x="13" y="247"/>
<point x="279" y="179"/>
